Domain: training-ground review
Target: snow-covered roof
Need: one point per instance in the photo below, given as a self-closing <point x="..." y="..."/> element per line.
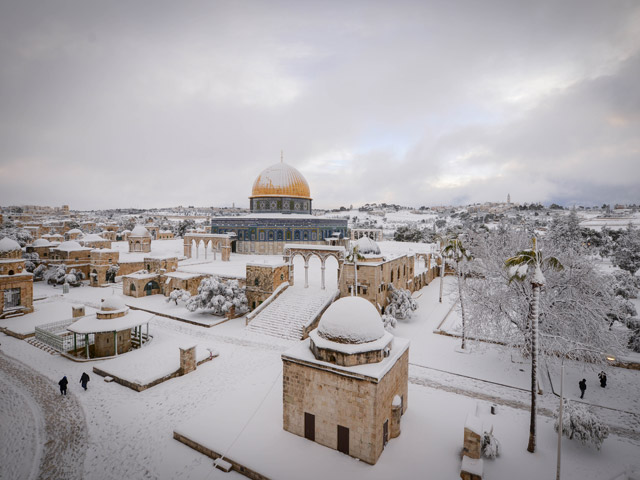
<point x="472" y="465"/>
<point x="374" y="371"/>
<point x="351" y="320"/>
<point x="41" y="242"/>
<point x="183" y="275"/>
<point x="70" y="246"/>
<point x="366" y="246"/>
<point x="74" y="231"/>
<point x="9" y="245"/>
<point x="474" y="424"/>
<point x="112" y="303"/>
<point x="92" y="324"/>
<point x="92" y="237"/>
<point x="140" y="231"/>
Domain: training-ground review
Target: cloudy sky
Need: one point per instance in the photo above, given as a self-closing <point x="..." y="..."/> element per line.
<point x="165" y="103"/>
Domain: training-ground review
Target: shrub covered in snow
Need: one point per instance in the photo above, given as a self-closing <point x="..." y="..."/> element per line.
<point x="401" y="305"/>
<point x="580" y="422"/>
<point x="178" y="294"/>
<point x="219" y="297"/>
<point x="490" y="445"/>
<point x="39" y="271"/>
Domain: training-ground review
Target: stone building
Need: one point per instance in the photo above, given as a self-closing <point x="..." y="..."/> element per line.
<point x="160" y="264"/>
<point x="281" y="213"/>
<point x="115" y="329"/>
<point x="94" y="240"/>
<point x="42" y="247"/>
<point x="346" y="386"/>
<point x="153" y="230"/>
<point x="375" y="273"/>
<point x="73" y="234"/>
<point x="72" y="255"/>
<point x="262" y="281"/>
<point x="189" y="282"/>
<point x="101" y="273"/>
<point x="165" y="235"/>
<point x="141" y="284"/>
<point x="109" y="235"/>
<point x="139" y="240"/>
<point x="16" y="284"/>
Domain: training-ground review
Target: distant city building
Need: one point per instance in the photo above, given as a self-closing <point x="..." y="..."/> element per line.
<point x="16" y="284"/>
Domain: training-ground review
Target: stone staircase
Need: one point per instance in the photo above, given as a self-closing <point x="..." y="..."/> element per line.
<point x="293" y="311"/>
<point x="42" y="346"/>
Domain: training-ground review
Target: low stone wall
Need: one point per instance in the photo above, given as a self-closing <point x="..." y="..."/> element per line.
<point x="138" y="387"/>
<point x="241" y="469"/>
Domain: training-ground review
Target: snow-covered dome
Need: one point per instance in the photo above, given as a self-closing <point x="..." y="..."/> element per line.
<point x="112" y="303"/>
<point x="281" y="180"/>
<point x="41" y="242"/>
<point x="140" y="231"/>
<point x="69" y="246"/>
<point x="74" y="231"/>
<point x="351" y="320"/>
<point x="9" y="245"/>
<point x="366" y="246"/>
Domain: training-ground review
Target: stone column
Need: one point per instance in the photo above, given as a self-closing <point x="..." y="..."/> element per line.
<point x="306" y="273"/>
<point x="187" y="360"/>
<point x="322" y="280"/>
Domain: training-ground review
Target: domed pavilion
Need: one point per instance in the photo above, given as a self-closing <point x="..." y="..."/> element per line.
<point x="346" y="386"/>
<point x="281" y="212"/>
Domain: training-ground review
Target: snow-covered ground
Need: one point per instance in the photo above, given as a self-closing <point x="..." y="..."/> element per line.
<point x="129" y="434"/>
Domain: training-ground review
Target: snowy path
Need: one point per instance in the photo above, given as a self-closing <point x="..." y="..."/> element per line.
<point x="46" y="431"/>
<point x="622" y="423"/>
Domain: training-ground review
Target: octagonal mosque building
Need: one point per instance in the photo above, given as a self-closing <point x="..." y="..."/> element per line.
<point x="281" y="213"/>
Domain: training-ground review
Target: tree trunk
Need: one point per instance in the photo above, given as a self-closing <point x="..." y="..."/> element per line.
<point x="534" y="367"/>
<point x="441" y="276"/>
<point x="461" y="303"/>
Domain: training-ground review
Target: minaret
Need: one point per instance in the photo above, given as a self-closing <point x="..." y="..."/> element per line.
<point x="508" y="199"/>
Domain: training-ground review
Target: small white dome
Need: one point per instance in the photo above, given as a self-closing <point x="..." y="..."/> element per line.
<point x="140" y="231"/>
<point x="41" y="242"/>
<point x="351" y="320"/>
<point x="112" y="303"/>
<point x="366" y="246"/>
<point x="69" y="246"/>
<point x="74" y="231"/>
<point x="9" y="245"/>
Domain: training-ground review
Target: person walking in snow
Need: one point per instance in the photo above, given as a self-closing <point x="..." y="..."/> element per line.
<point x="583" y="387"/>
<point x="84" y="379"/>
<point x="63" y="385"/>
<point x="603" y="379"/>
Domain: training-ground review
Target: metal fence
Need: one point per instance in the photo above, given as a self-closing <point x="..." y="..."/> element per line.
<point x="57" y="336"/>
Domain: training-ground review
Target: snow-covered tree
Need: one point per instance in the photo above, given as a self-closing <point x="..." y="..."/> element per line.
<point x="38" y="272"/>
<point x="574" y="310"/>
<point x="528" y="264"/>
<point x="579" y="422"/>
<point x="457" y="251"/>
<point x="490" y="445"/>
<point x="401" y="304"/>
<point x="219" y="297"/>
<point x="111" y="273"/>
<point x="626" y="253"/>
<point x="178" y="294"/>
<point x="55" y="274"/>
<point x="625" y="284"/>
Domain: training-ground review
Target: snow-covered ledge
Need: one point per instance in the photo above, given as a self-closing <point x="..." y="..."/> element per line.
<point x="276" y="293"/>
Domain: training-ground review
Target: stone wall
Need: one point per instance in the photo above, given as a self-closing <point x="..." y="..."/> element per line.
<point x="104" y="346"/>
<point x="187" y="360"/>
<point x="358" y="404"/>
<point x="22" y="281"/>
<point x="262" y="281"/>
<point x="127" y="268"/>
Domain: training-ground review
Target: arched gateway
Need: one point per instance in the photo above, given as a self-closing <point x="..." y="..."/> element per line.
<point x="223" y="243"/>
<point x="308" y="251"/>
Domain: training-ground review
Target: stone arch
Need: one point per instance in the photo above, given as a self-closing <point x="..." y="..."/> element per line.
<point x="308" y="251"/>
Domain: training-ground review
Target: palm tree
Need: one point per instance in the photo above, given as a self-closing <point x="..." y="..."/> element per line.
<point x="456" y="250"/>
<point x="530" y="263"/>
<point x="442" y="241"/>
<point x="354" y="256"/>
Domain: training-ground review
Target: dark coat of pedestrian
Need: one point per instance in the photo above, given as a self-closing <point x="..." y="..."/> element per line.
<point x="84" y="379"/>
<point x="603" y="379"/>
<point x="583" y="387"/>
<point x="63" y="385"/>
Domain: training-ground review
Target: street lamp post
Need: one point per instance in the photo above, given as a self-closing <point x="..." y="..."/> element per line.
<point x="608" y="357"/>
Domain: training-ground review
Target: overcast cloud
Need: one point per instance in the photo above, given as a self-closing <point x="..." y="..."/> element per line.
<point x="151" y="104"/>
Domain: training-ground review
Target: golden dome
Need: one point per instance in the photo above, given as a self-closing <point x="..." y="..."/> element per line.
<point x="281" y="180"/>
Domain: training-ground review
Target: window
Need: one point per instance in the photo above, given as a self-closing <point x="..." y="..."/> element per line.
<point x="12" y="297"/>
<point x="11" y="272"/>
<point x="256" y="282"/>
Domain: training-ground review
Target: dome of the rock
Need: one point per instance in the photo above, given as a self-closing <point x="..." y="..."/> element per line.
<point x="281" y="180"/>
